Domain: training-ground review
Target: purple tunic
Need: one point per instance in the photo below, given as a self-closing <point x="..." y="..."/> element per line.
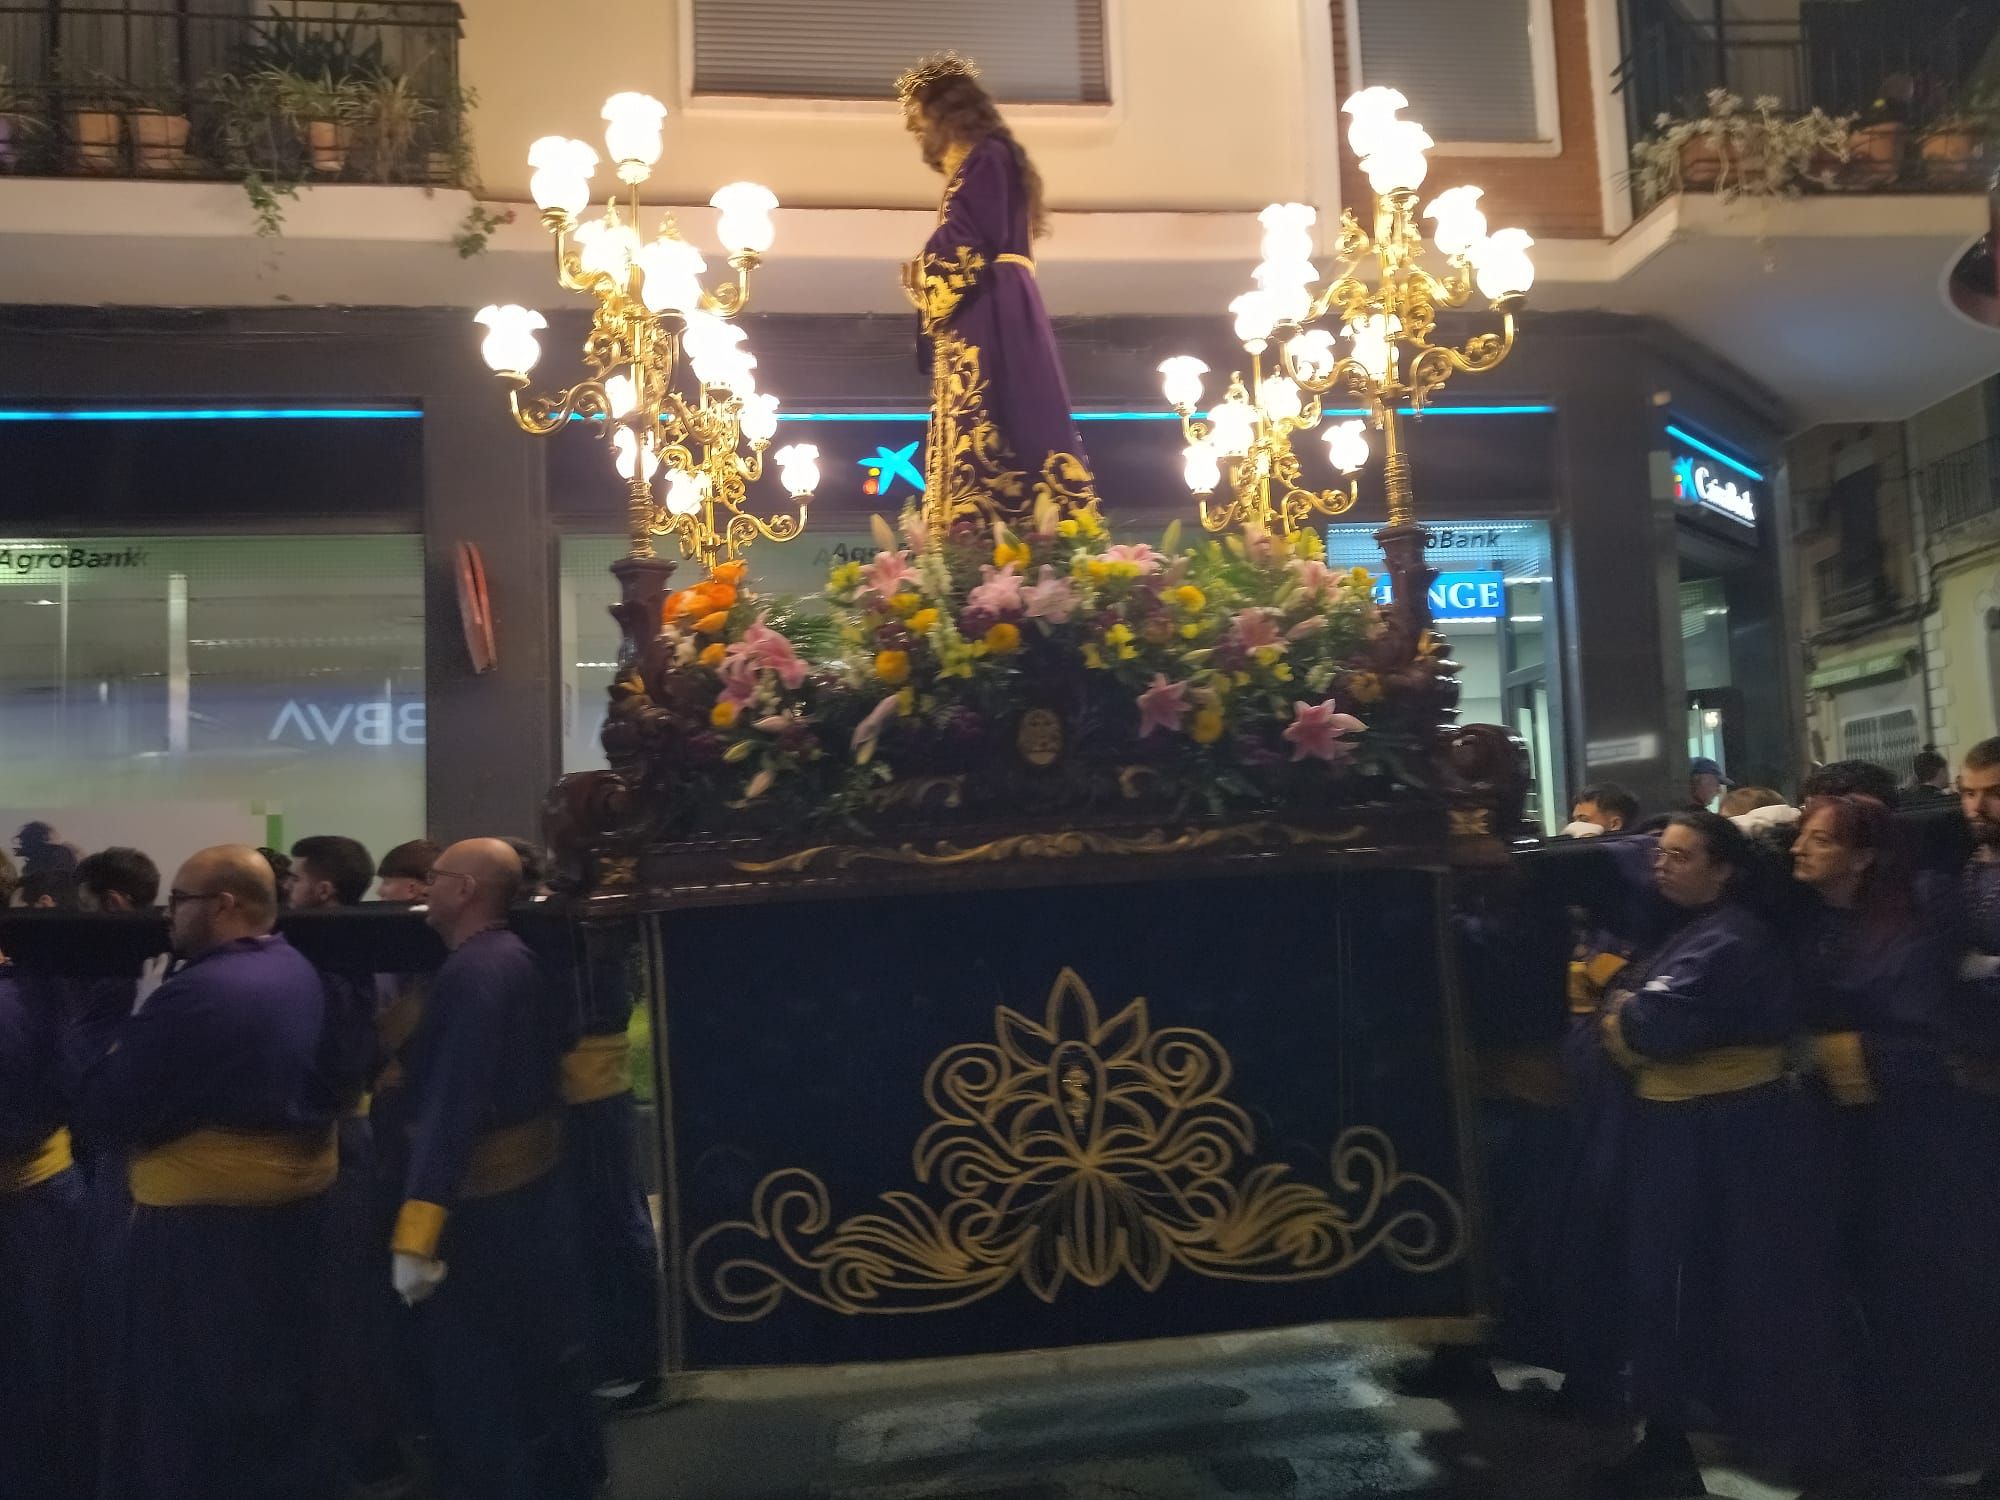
<point x="1001" y="431"/>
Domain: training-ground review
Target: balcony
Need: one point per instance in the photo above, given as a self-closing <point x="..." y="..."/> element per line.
<point x="1846" y="598"/>
<point x="1960" y="490"/>
<point x="1904" y="70"/>
<point x="277" y="96"/>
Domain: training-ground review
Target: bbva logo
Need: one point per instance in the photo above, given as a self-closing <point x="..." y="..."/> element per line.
<point x="374" y="724"/>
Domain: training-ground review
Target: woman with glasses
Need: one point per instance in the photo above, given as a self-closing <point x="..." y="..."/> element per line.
<point x="1732" y="1273"/>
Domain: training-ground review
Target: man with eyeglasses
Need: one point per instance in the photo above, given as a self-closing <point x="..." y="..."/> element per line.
<point x="212" y="1093"/>
<point x="483" y="1242"/>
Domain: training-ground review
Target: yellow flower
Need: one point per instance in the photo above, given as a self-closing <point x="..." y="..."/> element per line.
<point x="712" y="654"/>
<point x="844" y="577"/>
<point x="1305" y="542"/>
<point x="1190" y="598"/>
<point x="711" y="624"/>
<point x="1089" y="523"/>
<point x="922" y="620"/>
<point x="892" y="666"/>
<point x="1282" y="671"/>
<point x="1092" y="657"/>
<point x="1190" y="630"/>
<point x="1003" y="638"/>
<point x="1066" y="528"/>
<point x="906" y="702"/>
<point x="1119" y="638"/>
<point x="1361" y="578"/>
<point x="723" y="715"/>
<point x="1017" y="553"/>
<point x="1365" y="687"/>
<point x="1206" y="726"/>
<point x="903" y="603"/>
<point x="1265" y="655"/>
<point x="1242" y="679"/>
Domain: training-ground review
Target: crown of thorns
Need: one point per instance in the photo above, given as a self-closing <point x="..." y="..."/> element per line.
<point x="932" y="70"/>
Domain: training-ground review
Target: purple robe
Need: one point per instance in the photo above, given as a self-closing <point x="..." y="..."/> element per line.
<point x="209" y="1390"/>
<point x="1732" y="1260"/>
<point x="1001" y="429"/>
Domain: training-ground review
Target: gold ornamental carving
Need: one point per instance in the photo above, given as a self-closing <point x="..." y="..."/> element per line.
<point x="1074" y="1148"/>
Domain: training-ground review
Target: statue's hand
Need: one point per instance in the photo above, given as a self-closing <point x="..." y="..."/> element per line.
<point x="913" y="282"/>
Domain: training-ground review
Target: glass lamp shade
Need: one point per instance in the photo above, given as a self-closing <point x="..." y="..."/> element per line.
<point x="621" y="394"/>
<point x="1233" y="427"/>
<point x="606" y="247"/>
<point x="635" y="460"/>
<point x="1311" y="354"/>
<point x="1281" y="399"/>
<point x="1347" y="445"/>
<point x="561" y="180"/>
<point x="744" y="224"/>
<point x="1288" y="231"/>
<point x="509" y="347"/>
<point x="759" y="418"/>
<point x="1203" y="468"/>
<point x="683" y="497"/>
<point x="1374" y="346"/>
<point x="1287" y="289"/>
<point x="1371" y="111"/>
<point x="1398" y="162"/>
<point x="1180" y="380"/>
<point x="670" y="268"/>
<point x="714" y="349"/>
<point x="1460" y="224"/>
<point x="1254" y="316"/>
<point x="1502" y="264"/>
<point x="632" y="132"/>
<point x="798" y="469"/>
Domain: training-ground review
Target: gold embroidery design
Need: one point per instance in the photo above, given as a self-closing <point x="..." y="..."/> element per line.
<point x="969" y="469"/>
<point x="1074" y="1148"/>
<point x="945" y="284"/>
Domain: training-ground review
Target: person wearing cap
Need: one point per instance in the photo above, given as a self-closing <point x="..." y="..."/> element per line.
<point x="1705" y="782"/>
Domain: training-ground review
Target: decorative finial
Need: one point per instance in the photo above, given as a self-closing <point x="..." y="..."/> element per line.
<point x="939" y="66"/>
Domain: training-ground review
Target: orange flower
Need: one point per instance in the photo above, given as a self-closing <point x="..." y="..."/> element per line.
<point x="720" y="595"/>
<point x="1003" y="638"/>
<point x="729" y="573"/>
<point x="712" y="654"/>
<point x="711" y="624"/>
<point x="723" y="715"/>
<point x="682" y="603"/>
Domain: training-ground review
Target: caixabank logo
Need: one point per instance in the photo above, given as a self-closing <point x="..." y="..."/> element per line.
<point x="885" y="466"/>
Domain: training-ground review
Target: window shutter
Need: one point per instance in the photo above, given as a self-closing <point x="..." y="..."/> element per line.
<point x="1466" y="66"/>
<point x="1887" y="739"/>
<point x="1028" y="51"/>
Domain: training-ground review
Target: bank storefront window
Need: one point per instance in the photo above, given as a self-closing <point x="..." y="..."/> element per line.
<point x="1494" y="598"/>
<point x="171" y="692"/>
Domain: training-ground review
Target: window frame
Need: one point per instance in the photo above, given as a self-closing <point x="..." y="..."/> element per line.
<point x="1542" y="59"/>
<point x="815" y="107"/>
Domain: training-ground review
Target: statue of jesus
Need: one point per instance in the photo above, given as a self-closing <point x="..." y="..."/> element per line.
<point x="1001" y="435"/>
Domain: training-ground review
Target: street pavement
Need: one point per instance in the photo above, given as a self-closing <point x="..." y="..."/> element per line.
<point x="1250" y="1417"/>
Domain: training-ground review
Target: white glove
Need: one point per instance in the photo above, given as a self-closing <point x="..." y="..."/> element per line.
<point x="415" y="1276"/>
<point x="1582" y="831"/>
<point x="1979" y="966"/>
<point x="152" y="973"/>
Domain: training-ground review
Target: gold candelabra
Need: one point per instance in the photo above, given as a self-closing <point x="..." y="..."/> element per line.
<point x="1393" y="359"/>
<point x="669" y="379"/>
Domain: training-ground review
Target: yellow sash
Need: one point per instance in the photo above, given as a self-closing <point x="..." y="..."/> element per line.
<point x="235" y="1169"/>
<point x="598" y="1067"/>
<point x="1725" y="1070"/>
<point x="513" y="1156"/>
<point x="1011" y="259"/>
<point x="19" y="1173"/>
<point x="1588" y="978"/>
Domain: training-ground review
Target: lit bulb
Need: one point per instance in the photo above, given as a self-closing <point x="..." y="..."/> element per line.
<point x="670" y="268"/>
<point x="1203" y="468"/>
<point x="1233" y="426"/>
<point x="1347" y="445"/>
<point x="621" y="395"/>
<point x="1373" y="109"/>
<point x="1180" y="379"/>
<point x="798" y="469"/>
<point x="561" y="180"/>
<point x="759" y="420"/>
<point x="1287" y="289"/>
<point x="744" y="224"/>
<point x="605" y="247"/>
<point x="683" y="496"/>
<point x="1281" y="400"/>
<point x="1503" y="266"/>
<point x="713" y="351"/>
<point x="1398" y="163"/>
<point x="509" y="347"/>
<point x="635" y="460"/>
<point x="632" y="133"/>
<point x="1374" y="347"/>
<point x="1460" y="224"/>
<point x="1254" y="318"/>
<point x="1311" y="354"/>
<point x="1288" y="231"/>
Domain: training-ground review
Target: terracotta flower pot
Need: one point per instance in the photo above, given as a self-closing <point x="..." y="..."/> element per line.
<point x="1701" y="163"/>
<point x="1875" y="154"/>
<point x="329" y="140"/>
<point x="1951" y="152"/>
<point x="96" y="138"/>
<point x="159" y="140"/>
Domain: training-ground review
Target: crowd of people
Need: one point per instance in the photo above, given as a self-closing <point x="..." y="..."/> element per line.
<point x="1746" y="1184"/>
<point x="276" y="1228"/>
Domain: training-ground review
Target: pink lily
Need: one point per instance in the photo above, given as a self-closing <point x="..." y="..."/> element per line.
<point x="1053" y="599"/>
<point x="1313" y="575"/>
<point x="1317" y="732"/>
<point x="1310" y="625"/>
<point x="1162" y="706"/>
<point x="1148" y="560"/>
<point x="1257" y="542"/>
<point x="915" y="532"/>
<point x="1000" y="594"/>
<point x="887" y="573"/>
<point x="759" y="784"/>
<point x="870" y="729"/>
<point x="761" y="649"/>
<point x="1256" y="628"/>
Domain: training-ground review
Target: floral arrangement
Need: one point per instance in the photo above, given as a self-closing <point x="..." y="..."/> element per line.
<point x="1053" y="667"/>
<point x="1738" y="150"/>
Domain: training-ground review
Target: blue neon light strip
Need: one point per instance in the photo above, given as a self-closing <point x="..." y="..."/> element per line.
<point x="1163" y="416"/>
<point x="216" y="414"/>
<point x="1713" y="452"/>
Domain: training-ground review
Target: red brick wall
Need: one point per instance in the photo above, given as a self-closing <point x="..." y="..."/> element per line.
<point x="1552" y="197"/>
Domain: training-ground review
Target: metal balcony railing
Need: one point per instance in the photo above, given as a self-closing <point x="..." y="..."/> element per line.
<point x="1961" y="487"/>
<point x="1845" y="596"/>
<point x="1905" y="68"/>
<point x="285" y="90"/>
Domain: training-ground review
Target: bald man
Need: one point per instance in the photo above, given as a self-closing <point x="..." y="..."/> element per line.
<point x="483" y="1242"/>
<point x="212" y="1095"/>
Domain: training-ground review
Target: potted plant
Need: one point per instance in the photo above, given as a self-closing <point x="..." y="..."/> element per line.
<point x="391" y="115"/>
<point x="94" y="106"/>
<point x="18" y="120"/>
<point x="447" y="140"/>
<point x="1955" y="145"/>
<point x="1736" y="151"/>
<point x="159" y="125"/>
<point x="1878" y="142"/>
<point x="247" y="130"/>
<point x="324" y="109"/>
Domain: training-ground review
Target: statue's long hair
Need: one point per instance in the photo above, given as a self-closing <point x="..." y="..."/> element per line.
<point x="956" y="111"/>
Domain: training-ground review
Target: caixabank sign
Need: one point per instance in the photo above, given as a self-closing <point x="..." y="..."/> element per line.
<point x="1709" y="479"/>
